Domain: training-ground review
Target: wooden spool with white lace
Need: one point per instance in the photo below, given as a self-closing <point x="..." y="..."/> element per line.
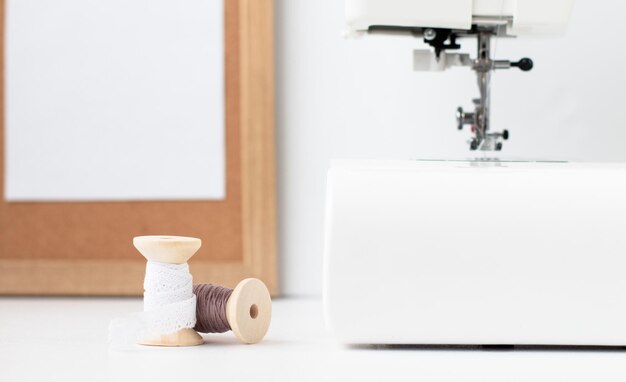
<point x="170" y="250"/>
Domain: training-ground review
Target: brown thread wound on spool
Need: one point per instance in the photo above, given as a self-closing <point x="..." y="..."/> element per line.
<point x="211" y="308"/>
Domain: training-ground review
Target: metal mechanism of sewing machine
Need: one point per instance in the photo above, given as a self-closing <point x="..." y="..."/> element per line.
<point x="443" y="40"/>
<point x="438" y="26"/>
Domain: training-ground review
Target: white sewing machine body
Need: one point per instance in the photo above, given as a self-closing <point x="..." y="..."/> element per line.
<point x="476" y="252"/>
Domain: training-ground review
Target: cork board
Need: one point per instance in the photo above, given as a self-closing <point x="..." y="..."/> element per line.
<point x="85" y="248"/>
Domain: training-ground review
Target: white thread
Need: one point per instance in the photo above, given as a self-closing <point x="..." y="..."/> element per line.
<point x="169" y="305"/>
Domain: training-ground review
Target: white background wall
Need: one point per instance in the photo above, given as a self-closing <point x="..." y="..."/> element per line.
<point x="340" y="98"/>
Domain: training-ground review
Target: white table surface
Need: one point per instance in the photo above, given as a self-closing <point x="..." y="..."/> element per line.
<point x="65" y="339"/>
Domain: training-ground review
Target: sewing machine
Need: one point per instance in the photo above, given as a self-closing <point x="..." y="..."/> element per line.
<point x="443" y="25"/>
<point x="478" y="251"/>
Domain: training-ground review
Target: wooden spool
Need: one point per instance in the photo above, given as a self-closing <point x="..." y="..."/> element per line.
<point x="170" y="250"/>
<point x="249" y="310"/>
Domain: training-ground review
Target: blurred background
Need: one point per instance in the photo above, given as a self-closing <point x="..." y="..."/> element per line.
<point x="359" y="98"/>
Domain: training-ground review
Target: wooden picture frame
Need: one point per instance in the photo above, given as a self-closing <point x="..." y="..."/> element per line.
<point x="85" y="248"/>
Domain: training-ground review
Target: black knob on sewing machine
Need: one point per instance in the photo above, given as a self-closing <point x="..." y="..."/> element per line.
<point x="473" y="144"/>
<point x="505" y="135"/>
<point x="524" y="64"/>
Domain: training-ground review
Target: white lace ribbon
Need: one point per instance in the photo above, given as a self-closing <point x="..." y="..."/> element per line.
<point x="169" y="305"/>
